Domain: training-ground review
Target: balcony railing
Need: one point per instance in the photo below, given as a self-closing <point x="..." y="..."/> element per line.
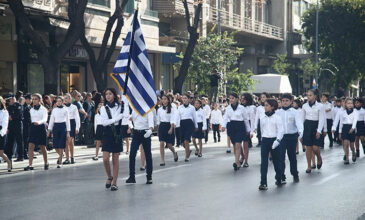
<point x="248" y="25"/>
<point x="170" y="7"/>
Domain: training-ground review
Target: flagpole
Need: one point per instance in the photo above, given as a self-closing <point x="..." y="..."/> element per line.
<point x="130" y="51"/>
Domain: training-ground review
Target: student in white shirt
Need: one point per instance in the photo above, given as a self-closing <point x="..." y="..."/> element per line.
<point x="98" y="128"/>
<point x="111" y="115"/>
<point x="314" y="117"/>
<point x="260" y="111"/>
<point x="59" y="125"/>
<point x="216" y="120"/>
<point x="238" y="128"/>
<point x="75" y="124"/>
<point x="142" y="131"/>
<point x="272" y="133"/>
<point x="207" y="110"/>
<point x="348" y="121"/>
<point x="247" y="102"/>
<point x="297" y="105"/>
<point x="188" y="123"/>
<point x="328" y="109"/>
<point x="4" y="121"/>
<point x="293" y="127"/>
<point x="337" y="107"/>
<point x="38" y="130"/>
<point x="202" y="127"/>
<point x="360" y="126"/>
<point x="166" y="119"/>
<point x="126" y="126"/>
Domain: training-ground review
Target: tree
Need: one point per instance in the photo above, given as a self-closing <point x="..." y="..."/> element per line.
<point x="281" y="64"/>
<point x="341" y="37"/>
<point x="217" y="53"/>
<point x="193" y="38"/>
<point x="50" y="57"/>
<point x="99" y="65"/>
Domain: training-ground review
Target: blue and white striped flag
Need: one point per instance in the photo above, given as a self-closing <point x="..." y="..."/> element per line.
<point x="141" y="91"/>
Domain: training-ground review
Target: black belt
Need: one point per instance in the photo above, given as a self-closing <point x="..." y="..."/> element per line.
<point x="140" y="131"/>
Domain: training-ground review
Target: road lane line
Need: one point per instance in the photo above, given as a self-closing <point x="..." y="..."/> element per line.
<point x="327" y="179"/>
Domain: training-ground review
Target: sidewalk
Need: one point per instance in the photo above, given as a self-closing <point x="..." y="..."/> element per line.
<point x="83" y="156"/>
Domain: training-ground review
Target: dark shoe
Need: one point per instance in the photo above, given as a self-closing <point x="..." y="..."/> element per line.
<point x="28" y="168"/>
<point x="149" y="180"/>
<point x="72" y="160"/>
<point x="357" y="153"/>
<point x="346" y="162"/>
<point x="46" y="167"/>
<point x="296" y="179"/>
<point x="219" y="140"/>
<point x="283" y="181"/>
<point x="308" y="171"/>
<point x="314" y="167"/>
<point x="26" y="157"/>
<point x="263" y="187"/>
<point x="108" y="185"/>
<point x="162" y="164"/>
<point x="245" y="165"/>
<point x="131" y="179"/>
<point x="142" y="169"/>
<point x="215" y="141"/>
<point x="196" y="153"/>
<point x="176" y="157"/>
<point x="186" y="160"/>
<point x="114" y="188"/>
<point x="319" y="165"/>
<point x="354" y="158"/>
<point x="228" y="151"/>
<point x="279" y="183"/>
<point x="95" y="158"/>
<point x="66" y="162"/>
<point x="58" y="161"/>
<point x="58" y="166"/>
<point x="200" y="155"/>
<point x="331" y="144"/>
<point x="235" y="167"/>
<point x="166" y="146"/>
<point x="19" y="160"/>
<point x="344" y="157"/>
<point x="304" y="150"/>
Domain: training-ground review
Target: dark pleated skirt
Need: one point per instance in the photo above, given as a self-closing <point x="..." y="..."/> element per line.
<point x="163" y="133"/>
<point x="38" y="134"/>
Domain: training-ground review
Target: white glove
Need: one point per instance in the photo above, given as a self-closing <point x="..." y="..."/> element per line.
<point x="275" y="145"/>
<point x="300" y="136"/>
<point x="148" y="133"/>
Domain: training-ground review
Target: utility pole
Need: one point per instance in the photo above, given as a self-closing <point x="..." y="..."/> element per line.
<point x="316" y="56"/>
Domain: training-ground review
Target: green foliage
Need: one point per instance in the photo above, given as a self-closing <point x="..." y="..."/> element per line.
<point x="307" y="67"/>
<point x="341" y="37"/>
<point x="239" y="82"/>
<point x="281" y="64"/>
<point x="212" y="53"/>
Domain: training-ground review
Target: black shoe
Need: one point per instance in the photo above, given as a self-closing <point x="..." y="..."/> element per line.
<point x="308" y="171"/>
<point x="283" y="181"/>
<point x="279" y="183"/>
<point x="19" y="160"/>
<point x="263" y="187"/>
<point x="176" y="157"/>
<point x="58" y="166"/>
<point x="26" y="157"/>
<point x="296" y="179"/>
<point x="331" y="144"/>
<point x="344" y="157"/>
<point x="149" y="180"/>
<point x="131" y="179"/>
<point x="186" y="160"/>
<point x="114" y="188"/>
<point x="235" y="167"/>
<point x="95" y="158"/>
<point x="304" y="149"/>
<point x="219" y="140"/>
<point x="215" y="141"/>
<point x="58" y="161"/>
<point x="357" y="153"/>
<point x="46" y="167"/>
<point x="142" y="169"/>
<point x="245" y="165"/>
<point x="66" y="162"/>
<point x="314" y="167"/>
<point x="354" y="158"/>
<point x="108" y="185"/>
<point x="346" y="162"/>
<point x="166" y="146"/>
<point x="28" y="168"/>
<point x="228" y="151"/>
<point x="319" y="165"/>
<point x="72" y="160"/>
<point x="162" y="164"/>
<point x="200" y="155"/>
<point x="196" y="153"/>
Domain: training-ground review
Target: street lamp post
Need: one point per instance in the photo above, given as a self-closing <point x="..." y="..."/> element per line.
<point x="316" y="55"/>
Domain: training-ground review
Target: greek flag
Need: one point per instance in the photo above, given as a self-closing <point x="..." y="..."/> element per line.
<point x="132" y="71"/>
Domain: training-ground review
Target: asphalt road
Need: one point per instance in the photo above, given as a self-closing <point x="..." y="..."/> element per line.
<point x="204" y="188"/>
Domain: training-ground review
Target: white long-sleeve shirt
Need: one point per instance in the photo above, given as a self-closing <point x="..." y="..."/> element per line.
<point x="348" y="119"/>
<point x="334" y="112"/>
<point x="116" y="114"/>
<point x="271" y="127"/>
<point x="74" y="114"/>
<point x="4" y="122"/>
<point x="40" y="116"/>
<point x="97" y="121"/>
<point x="59" y="115"/>
<point x="201" y="118"/>
<point x="360" y="114"/>
<point x="328" y="110"/>
<point x="292" y="122"/>
<point x="216" y="117"/>
<point x="207" y="111"/>
<point x="315" y="113"/>
<point x="251" y="116"/>
<point x="260" y="111"/>
<point x="239" y="114"/>
<point x="143" y="123"/>
<point x="188" y="113"/>
<point x="163" y="116"/>
<point x="337" y="119"/>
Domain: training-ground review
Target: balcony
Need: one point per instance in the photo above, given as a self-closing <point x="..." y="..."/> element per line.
<point x="250" y="26"/>
<point x="172" y="7"/>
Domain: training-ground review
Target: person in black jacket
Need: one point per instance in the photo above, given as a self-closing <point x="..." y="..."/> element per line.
<point x="15" y="129"/>
<point x="26" y="122"/>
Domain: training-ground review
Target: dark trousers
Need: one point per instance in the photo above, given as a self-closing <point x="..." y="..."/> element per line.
<point x="259" y="133"/>
<point x="178" y="136"/>
<point x="207" y="131"/>
<point x="15" y="135"/>
<point x="137" y="140"/>
<point x="329" y="128"/>
<point x="215" y="132"/>
<point x="336" y="133"/>
<point x="288" y="145"/>
<point x="26" y="128"/>
<point x="266" y="148"/>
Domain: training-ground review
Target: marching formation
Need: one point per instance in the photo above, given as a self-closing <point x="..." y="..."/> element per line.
<point x="281" y="125"/>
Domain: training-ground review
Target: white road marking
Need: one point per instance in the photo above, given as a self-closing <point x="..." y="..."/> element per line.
<point x="327" y="179"/>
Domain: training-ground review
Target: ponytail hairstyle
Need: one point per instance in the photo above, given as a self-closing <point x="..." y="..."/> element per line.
<point x="168" y="102"/>
<point x="272" y="103"/>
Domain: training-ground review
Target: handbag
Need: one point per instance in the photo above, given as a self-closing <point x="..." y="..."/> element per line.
<point x="117" y="137"/>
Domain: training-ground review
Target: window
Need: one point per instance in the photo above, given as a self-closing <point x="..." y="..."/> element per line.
<point x="165" y="76"/>
<point x="6" y="79"/>
<point x="237" y="7"/>
<point x="129" y="8"/>
<point x="105" y="3"/>
<point x="35" y="78"/>
<point x="248" y="8"/>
